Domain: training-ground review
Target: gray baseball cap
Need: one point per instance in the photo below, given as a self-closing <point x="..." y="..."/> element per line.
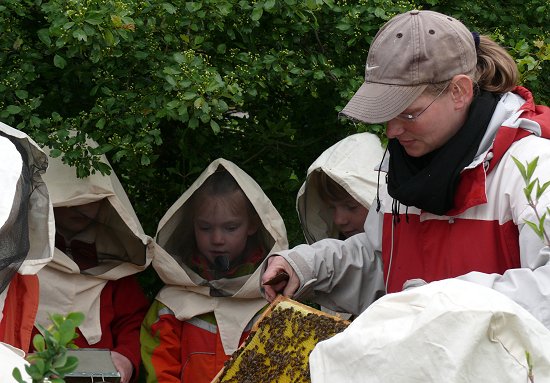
<point x="411" y="51"/>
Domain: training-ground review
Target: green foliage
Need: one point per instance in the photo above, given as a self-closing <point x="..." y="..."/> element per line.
<point x="50" y="359"/>
<point x="530" y="375"/>
<point x="533" y="185"/>
<point x="520" y="26"/>
<point x="165" y="87"/>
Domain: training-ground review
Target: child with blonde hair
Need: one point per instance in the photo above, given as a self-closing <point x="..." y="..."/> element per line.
<point x="212" y="242"/>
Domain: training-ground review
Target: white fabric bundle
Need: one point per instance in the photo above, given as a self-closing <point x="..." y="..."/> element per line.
<point x="445" y="331"/>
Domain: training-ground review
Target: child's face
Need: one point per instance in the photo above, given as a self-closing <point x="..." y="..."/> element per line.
<point x="75" y="219"/>
<point x="349" y="216"/>
<point x="222" y="226"/>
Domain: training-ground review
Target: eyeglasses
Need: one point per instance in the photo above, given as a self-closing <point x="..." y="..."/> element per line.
<point x="410" y="118"/>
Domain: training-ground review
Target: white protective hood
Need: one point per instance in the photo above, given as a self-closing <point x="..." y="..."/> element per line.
<point x="445" y="331"/>
<point x="123" y="248"/>
<point x="186" y="293"/>
<point x="10" y="358"/>
<point x="41" y="225"/>
<point x="352" y="163"/>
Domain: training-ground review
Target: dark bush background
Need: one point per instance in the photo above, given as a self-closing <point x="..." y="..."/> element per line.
<point x="166" y="87"/>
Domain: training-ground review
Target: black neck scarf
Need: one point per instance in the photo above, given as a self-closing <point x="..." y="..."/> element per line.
<point x="429" y="182"/>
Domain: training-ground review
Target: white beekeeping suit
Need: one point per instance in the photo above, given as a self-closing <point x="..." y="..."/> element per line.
<point x="445" y="331"/>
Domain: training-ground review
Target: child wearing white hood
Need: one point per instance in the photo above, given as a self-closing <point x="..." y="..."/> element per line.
<point x="100" y="246"/>
<point x="212" y="243"/>
<point x="340" y="187"/>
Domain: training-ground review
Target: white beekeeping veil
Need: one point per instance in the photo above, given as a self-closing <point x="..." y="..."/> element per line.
<point x="15" y="189"/>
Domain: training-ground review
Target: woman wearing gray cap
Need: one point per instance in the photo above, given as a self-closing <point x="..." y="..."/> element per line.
<point x="454" y="205"/>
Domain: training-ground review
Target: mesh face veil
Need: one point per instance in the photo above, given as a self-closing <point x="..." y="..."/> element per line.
<point x="14" y="230"/>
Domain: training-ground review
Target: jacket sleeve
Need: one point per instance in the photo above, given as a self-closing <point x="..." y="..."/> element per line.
<point x="529" y="286"/>
<point x="19" y="312"/>
<point x="341" y="275"/>
<point x="130" y="305"/>
<point x="161" y="345"/>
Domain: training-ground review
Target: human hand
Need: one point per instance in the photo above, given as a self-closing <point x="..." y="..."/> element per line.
<point x="123" y="366"/>
<point x="288" y="286"/>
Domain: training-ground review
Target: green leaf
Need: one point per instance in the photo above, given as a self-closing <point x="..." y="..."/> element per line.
<point x="57" y="319"/>
<point x="40" y="366"/>
<point x="44" y="36"/>
<point x="171" y="70"/>
<point x="318" y="74"/>
<point x="215" y="127"/>
<point x="193" y="123"/>
<point x="311" y="4"/>
<point x="182" y="112"/>
<point x="80" y="35"/>
<point x="105" y="170"/>
<point x="535" y="229"/>
<point x="145" y="160"/>
<point x="199" y="40"/>
<point x="541" y="221"/>
<point x="93" y="21"/>
<point x="529" y="189"/>
<point x="59" y="61"/>
<point x="169" y="8"/>
<point x="38" y="339"/>
<point x="35" y="373"/>
<point x="100" y="124"/>
<point x="379" y="12"/>
<point x="70" y="365"/>
<point x="541" y="189"/>
<point x="269" y="59"/>
<point x="521" y="168"/>
<point x="269" y="4"/>
<point x="141" y="55"/>
<point x="119" y="155"/>
<point x="199" y="101"/>
<point x="257" y="13"/>
<point x="35" y="122"/>
<point x="531" y="166"/>
<point x="60" y="360"/>
<point x="101" y="149"/>
<point x="170" y="80"/>
<point x="343" y="26"/>
<point x="189" y="95"/>
<point x="17" y="375"/>
<point x="22" y="94"/>
<point x="66" y="333"/>
<point x="13" y="109"/>
<point x="173" y="104"/>
<point x="54" y="153"/>
<point x="109" y="38"/>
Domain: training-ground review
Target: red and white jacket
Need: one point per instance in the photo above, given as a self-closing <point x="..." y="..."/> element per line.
<point x="484" y="239"/>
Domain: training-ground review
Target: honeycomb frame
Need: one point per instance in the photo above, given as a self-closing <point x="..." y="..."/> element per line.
<point x="278" y="346"/>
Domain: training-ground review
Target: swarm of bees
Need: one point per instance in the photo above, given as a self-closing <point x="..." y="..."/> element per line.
<point x="278" y="347"/>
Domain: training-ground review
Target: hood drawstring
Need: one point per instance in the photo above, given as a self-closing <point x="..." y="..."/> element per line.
<point x="378" y="204"/>
<point x="395" y="211"/>
<point x="395" y="203"/>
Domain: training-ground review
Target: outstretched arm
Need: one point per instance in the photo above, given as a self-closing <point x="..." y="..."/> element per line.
<point x="341" y="275"/>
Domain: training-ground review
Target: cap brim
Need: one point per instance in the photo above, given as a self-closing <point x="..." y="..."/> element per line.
<point x="374" y="103"/>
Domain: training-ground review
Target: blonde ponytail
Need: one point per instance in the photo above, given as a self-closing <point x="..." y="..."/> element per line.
<point x="496" y="70"/>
